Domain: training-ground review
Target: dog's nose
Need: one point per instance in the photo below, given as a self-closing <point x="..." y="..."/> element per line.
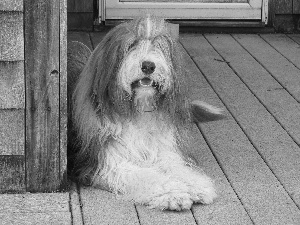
<point x="148" y="67"/>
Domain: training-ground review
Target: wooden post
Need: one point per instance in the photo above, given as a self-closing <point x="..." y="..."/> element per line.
<point x="45" y="72"/>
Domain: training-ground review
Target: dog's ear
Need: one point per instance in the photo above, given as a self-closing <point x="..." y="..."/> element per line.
<point x="204" y="112"/>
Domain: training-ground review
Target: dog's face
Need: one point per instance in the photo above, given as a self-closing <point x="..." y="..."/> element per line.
<point x="148" y="61"/>
<point x="146" y="72"/>
<point x="140" y="68"/>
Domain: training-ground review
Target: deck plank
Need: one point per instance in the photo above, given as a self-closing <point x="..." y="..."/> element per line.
<point x="75" y="206"/>
<point x="284" y="71"/>
<point x="57" y="218"/>
<point x="295" y="37"/>
<point x="102" y="207"/>
<point x="262" y="195"/>
<point x="44" y="208"/>
<point x="278" y="101"/>
<point x="40" y="202"/>
<point x="286" y="46"/>
<point x="159" y="217"/>
<point x="267" y="135"/>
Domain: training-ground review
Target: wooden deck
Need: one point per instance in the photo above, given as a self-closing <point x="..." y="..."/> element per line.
<point x="253" y="154"/>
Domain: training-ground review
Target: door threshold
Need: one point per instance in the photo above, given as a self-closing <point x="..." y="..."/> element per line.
<point x="204" y="26"/>
<point x="200" y="23"/>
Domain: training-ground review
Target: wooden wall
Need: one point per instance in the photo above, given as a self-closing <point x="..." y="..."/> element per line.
<point x="284" y="15"/>
<point x="33" y="95"/>
<point x="81" y="14"/>
<point x="12" y="97"/>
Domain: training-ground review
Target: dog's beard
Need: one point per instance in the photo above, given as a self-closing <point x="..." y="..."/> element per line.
<point x="144" y="99"/>
<point x="145" y="95"/>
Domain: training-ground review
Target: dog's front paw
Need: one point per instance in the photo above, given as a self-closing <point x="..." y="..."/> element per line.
<point x="202" y="190"/>
<point x="204" y="196"/>
<point x="172" y="195"/>
<point x="171" y="201"/>
<point x="200" y="186"/>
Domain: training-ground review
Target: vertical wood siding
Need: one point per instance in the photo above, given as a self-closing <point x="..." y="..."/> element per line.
<point x="80" y="14"/>
<point x="296" y="6"/>
<point x="284" y="6"/>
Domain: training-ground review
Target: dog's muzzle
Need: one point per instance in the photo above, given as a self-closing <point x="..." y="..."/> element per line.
<point x="146" y="89"/>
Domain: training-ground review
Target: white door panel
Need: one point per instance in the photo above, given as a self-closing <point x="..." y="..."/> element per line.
<point x="184" y="9"/>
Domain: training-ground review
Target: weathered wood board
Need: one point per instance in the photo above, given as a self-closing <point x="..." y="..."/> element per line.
<point x="35" y="209"/>
<point x="12" y="173"/>
<point x="276" y="64"/>
<point x="12" y="87"/>
<point x="12" y="37"/>
<point x="11" y="5"/>
<point x="12" y="132"/>
<point x="283" y="7"/>
<point x="279" y="135"/>
<point x="295" y="37"/>
<point x="285" y="46"/>
<point x="102" y="207"/>
<point x="12" y="97"/>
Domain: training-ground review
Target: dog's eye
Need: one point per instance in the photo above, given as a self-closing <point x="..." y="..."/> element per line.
<point x="132" y="45"/>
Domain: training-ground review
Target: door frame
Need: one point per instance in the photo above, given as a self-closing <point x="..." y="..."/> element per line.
<point x="207" y="10"/>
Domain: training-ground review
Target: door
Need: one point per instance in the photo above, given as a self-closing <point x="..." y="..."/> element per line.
<point x="186" y="9"/>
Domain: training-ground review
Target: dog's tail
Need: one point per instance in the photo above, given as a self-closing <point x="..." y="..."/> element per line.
<point x="204" y="112"/>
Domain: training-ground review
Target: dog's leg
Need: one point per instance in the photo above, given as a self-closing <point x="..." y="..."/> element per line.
<point x="200" y="186"/>
<point x="149" y="186"/>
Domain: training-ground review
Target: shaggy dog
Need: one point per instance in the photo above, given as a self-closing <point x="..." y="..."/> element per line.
<point x="132" y="118"/>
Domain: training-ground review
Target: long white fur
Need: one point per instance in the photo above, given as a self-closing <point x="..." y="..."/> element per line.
<point x="140" y="156"/>
<point x="145" y="164"/>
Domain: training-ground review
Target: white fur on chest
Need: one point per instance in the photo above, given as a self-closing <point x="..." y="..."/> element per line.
<point x="142" y="140"/>
<point x="143" y="143"/>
